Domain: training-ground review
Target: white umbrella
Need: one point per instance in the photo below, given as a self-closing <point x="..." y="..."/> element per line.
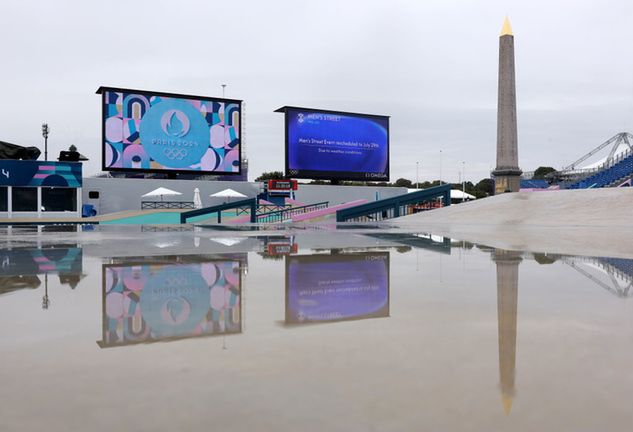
<point x="161" y="191"/>
<point x="227" y="241"/>
<point x="197" y="201"/>
<point x="228" y="193"/>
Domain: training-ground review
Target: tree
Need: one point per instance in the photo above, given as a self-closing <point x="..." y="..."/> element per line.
<point x="542" y="258"/>
<point x="542" y="171"/>
<point x="403" y="182"/>
<point x="485" y="186"/>
<point x="272" y="175"/>
<point x="427" y="184"/>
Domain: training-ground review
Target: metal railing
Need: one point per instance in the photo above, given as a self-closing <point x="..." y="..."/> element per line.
<point x="168" y="228"/>
<point x="397" y="206"/>
<point x="166" y="205"/>
<point x="285" y="214"/>
<point x="250" y="203"/>
<point x="266" y="208"/>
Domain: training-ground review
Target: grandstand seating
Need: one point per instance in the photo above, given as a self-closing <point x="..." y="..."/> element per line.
<point x="534" y="184"/>
<point x="624" y="266"/>
<point x="606" y="177"/>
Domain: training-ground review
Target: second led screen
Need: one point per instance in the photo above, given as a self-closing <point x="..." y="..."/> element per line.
<point x="336" y="145"/>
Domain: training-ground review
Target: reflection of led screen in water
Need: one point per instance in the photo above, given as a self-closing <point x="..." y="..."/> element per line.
<point x="40" y="260"/>
<point x="147" y="131"/>
<point x="20" y="267"/>
<point x="322" y="288"/>
<point x="148" y="302"/>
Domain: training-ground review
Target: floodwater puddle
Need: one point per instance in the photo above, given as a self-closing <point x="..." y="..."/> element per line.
<point x="350" y="330"/>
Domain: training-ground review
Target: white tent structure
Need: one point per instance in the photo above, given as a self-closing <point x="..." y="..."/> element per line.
<point x="459" y="195"/>
<point x="456" y="194"/>
<point x="161" y="192"/>
<point x="228" y="193"/>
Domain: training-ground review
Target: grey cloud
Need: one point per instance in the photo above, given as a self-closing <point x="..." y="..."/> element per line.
<point x="430" y="65"/>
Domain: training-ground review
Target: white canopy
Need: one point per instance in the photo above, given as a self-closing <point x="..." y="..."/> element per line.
<point x="457" y="194"/>
<point x="161" y="191"/>
<point x="228" y="193"/>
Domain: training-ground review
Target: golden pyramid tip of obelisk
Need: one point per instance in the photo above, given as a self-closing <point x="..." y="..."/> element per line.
<point x="507" y="403"/>
<point x="506" y="30"/>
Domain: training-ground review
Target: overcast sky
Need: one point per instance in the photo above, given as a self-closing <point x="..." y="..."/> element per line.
<point x="429" y="64"/>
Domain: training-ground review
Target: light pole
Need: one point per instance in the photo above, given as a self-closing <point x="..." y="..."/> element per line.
<point x="417" y="178"/>
<point x="45" y="131"/>
<point x="223" y="89"/>
<point x="440" y="167"/>
<point x="45" y="301"/>
<point x="463" y="181"/>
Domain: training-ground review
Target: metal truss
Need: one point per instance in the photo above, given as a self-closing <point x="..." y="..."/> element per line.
<point x="613" y="285"/>
<point x="614" y="142"/>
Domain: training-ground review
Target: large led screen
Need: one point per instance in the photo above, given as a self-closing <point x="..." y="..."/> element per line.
<point x="338" y="287"/>
<point x="336" y="146"/>
<point x="158" y="132"/>
<point x="151" y="302"/>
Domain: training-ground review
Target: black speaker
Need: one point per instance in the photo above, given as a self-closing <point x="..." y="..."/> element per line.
<point x="68" y="156"/>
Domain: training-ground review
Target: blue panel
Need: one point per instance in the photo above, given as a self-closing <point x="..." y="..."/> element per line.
<point x="40" y="173"/>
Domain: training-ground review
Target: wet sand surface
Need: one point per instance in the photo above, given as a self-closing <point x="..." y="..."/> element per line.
<point x="582" y="222"/>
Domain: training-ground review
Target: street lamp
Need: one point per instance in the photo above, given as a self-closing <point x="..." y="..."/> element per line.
<point x="45" y="131"/>
<point x="223" y="89"/>
<point x="45" y="300"/>
<point x="417" y="178"/>
<point x="440" y="167"/>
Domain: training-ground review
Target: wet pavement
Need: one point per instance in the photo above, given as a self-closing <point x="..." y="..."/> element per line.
<point x="307" y="329"/>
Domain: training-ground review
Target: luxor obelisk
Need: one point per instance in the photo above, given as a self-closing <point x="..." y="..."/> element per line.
<point x="507" y="174"/>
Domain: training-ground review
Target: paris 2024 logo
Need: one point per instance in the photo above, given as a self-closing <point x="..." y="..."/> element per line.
<point x="174" y="134"/>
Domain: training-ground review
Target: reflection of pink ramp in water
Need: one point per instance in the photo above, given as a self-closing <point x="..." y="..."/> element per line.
<point x="326" y="211"/>
<point x="239" y="220"/>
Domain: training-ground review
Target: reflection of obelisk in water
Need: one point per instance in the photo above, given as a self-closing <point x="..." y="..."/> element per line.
<point x="507" y="292"/>
<point x="507" y="173"/>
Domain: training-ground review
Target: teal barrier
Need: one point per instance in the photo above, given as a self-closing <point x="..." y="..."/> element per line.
<point x="395" y="206"/>
<point x="251" y="203"/>
<point x="146" y="219"/>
